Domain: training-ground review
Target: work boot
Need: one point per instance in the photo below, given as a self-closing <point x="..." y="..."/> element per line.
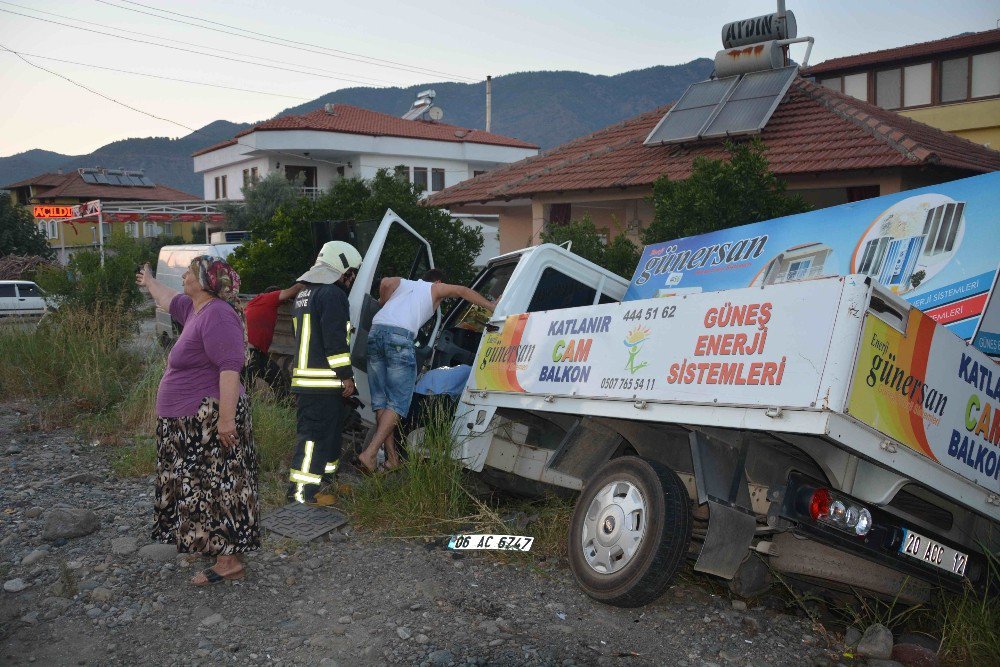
<point x="321" y="500"/>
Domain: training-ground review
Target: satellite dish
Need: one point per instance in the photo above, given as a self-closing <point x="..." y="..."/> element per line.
<point x="435" y="113"/>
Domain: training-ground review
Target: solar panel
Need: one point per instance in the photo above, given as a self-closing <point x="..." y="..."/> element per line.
<point x="146" y="182"/>
<point x="751" y="103"/>
<point x="134" y="180"/>
<point x="89" y="178"/>
<point x="692" y="111"/>
<point x="102" y="179"/>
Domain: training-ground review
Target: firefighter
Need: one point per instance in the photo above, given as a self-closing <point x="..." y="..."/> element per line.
<point x="322" y="376"/>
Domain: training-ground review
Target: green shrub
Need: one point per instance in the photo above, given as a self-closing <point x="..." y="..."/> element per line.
<point x="85" y="283"/>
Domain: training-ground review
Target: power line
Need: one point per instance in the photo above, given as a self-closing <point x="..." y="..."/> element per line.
<point x="325" y="73"/>
<point x="326" y="51"/>
<point x="144" y="112"/>
<point x="156" y="76"/>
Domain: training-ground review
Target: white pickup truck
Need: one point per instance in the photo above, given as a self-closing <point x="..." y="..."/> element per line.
<point x="823" y="427"/>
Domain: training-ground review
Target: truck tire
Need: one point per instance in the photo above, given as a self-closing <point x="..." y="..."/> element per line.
<point x="630" y="532"/>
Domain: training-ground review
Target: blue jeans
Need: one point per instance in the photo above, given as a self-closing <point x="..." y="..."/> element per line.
<point x="392" y="368"/>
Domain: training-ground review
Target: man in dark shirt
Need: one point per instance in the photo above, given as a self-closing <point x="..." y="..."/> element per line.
<point x="261" y="315"/>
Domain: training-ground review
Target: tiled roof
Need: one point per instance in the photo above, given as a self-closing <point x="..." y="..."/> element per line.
<point x="355" y="120"/>
<point x="971" y="40"/>
<point x="73" y="185"/>
<point x="48" y="180"/>
<point x="814" y="129"/>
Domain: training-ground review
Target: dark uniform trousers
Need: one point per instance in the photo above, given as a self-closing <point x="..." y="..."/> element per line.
<point x="319" y="425"/>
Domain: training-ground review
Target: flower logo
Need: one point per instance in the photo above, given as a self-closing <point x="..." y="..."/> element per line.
<point x="633" y="343"/>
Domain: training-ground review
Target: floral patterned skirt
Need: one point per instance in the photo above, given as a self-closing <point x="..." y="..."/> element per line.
<point x="206" y="494"/>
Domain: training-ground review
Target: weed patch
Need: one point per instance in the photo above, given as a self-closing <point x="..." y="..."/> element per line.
<point x="72" y="363"/>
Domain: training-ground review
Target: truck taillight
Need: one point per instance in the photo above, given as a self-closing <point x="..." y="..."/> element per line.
<point x="841" y="513"/>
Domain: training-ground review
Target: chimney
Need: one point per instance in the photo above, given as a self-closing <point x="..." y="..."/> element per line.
<point x="328" y="107"/>
<point x="489" y="101"/>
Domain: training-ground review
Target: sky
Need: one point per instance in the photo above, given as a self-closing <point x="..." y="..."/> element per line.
<point x="336" y="45"/>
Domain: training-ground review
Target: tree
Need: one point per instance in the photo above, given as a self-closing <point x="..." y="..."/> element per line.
<point x="261" y="200"/>
<point x="84" y="283"/>
<point x="619" y="255"/>
<point x="281" y="247"/>
<point x="720" y="194"/>
<point x="19" y="235"/>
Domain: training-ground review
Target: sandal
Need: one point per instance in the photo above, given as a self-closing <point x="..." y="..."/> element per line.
<point x="213" y="577"/>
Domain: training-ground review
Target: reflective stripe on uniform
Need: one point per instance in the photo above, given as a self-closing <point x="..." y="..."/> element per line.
<point x="338" y="360"/>
<point x="330" y="467"/>
<point x="307" y="456"/>
<point x="313" y="373"/>
<point x="304" y="342"/>
<point x="299" y="498"/>
<point x="304" y="477"/>
<point x="308" y="383"/>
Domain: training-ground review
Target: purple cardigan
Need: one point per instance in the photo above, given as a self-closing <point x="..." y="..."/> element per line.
<point x="212" y="342"/>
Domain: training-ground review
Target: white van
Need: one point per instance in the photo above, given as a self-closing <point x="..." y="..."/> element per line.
<point x="173" y="261"/>
<point x="21" y="298"/>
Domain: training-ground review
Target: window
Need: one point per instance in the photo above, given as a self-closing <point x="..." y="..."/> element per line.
<point x="917" y="85"/>
<point x="954" y="80"/>
<point x="29" y="289"/>
<point x="132" y="229"/>
<point x="220" y="187"/>
<point x="420" y="177"/>
<point x="557" y="290"/>
<point x="941" y="228"/>
<point x="560" y="214"/>
<point x="150" y="229"/>
<point x="52" y="230"/>
<point x="168" y="228"/>
<point x="856" y="85"/>
<point x="225" y="195"/>
<point x="798" y="270"/>
<point x="7" y="291"/>
<point x="887" y="89"/>
<point x="873" y="256"/>
<point x="986" y="74"/>
<point x="402" y="172"/>
<point x="246" y="178"/>
<point x="478" y="172"/>
<point x="304" y="177"/>
<point x="437" y="179"/>
<point x="107" y="230"/>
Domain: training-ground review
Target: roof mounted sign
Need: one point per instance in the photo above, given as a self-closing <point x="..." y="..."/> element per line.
<point x="759" y="29"/>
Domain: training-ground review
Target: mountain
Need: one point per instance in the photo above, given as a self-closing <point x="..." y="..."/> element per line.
<point x="545" y="108"/>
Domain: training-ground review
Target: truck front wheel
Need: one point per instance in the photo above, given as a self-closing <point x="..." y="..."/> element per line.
<point x="629" y="532"/>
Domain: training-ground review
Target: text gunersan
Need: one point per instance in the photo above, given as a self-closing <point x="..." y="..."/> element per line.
<point x="714" y="255"/>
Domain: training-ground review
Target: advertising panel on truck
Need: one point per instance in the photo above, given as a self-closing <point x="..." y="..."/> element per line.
<point x="936" y="247"/>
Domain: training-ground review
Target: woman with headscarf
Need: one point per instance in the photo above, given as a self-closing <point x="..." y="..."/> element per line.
<point x="206" y="463"/>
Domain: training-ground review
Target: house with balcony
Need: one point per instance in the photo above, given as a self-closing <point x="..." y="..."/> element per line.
<point x="341" y="141"/>
<point x="129" y="191"/>
<point x="952" y="84"/>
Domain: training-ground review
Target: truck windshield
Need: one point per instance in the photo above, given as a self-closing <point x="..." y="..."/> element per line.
<point x="490" y="284"/>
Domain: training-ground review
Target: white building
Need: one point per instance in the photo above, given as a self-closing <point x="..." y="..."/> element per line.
<point x="343" y="141"/>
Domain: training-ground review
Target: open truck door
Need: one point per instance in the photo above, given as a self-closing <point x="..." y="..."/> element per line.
<point x="395" y="249"/>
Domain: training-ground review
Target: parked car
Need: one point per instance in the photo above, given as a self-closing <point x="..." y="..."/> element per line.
<point x="22" y="298"/>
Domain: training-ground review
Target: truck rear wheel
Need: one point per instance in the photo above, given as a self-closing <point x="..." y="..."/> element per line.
<point x="629" y="532"/>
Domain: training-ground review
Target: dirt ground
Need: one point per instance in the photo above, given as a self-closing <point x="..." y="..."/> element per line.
<point x="111" y="597"/>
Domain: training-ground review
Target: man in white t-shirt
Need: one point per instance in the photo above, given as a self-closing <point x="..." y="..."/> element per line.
<point x="392" y="366"/>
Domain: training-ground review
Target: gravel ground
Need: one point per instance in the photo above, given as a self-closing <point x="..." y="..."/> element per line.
<point x="110" y="597"/>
